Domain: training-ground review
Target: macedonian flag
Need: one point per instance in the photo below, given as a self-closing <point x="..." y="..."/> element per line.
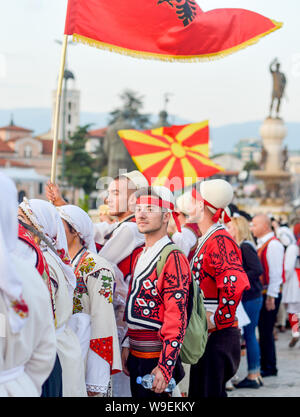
<point x="175" y="154"/>
<point x="164" y="29"/>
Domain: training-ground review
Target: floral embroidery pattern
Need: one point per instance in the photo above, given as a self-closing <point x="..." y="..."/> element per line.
<point x="87" y="265"/>
<point x="106" y="288"/>
<point x="63" y="256"/>
<point x="77" y="306"/>
<point x="20" y="308"/>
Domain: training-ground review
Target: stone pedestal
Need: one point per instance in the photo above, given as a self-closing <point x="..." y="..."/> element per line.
<point x="273" y="174"/>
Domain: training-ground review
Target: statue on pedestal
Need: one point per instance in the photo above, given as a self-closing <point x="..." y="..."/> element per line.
<point x="128" y="116"/>
<point x="263" y="159"/>
<point x="279" y="84"/>
<point x="115" y="150"/>
<point x="285" y="158"/>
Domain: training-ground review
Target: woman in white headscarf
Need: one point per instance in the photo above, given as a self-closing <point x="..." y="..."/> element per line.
<point x="27" y="334"/>
<point x="45" y="218"/>
<point x="93" y="317"/>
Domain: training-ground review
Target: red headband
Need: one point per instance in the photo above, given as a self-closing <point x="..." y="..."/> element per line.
<point x="219" y="211"/>
<point x="155" y="201"/>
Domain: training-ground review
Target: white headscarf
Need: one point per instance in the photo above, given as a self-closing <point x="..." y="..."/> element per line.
<point x="10" y="280"/>
<point x="81" y="222"/>
<point x="286" y="236"/>
<point x="45" y="218"/>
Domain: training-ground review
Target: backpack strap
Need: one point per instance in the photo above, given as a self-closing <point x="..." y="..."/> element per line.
<point x="164" y="254"/>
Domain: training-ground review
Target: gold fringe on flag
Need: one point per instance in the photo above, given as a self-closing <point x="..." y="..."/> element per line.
<point x="173" y="58"/>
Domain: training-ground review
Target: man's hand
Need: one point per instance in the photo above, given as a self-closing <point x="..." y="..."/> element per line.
<point x="124" y="357"/>
<point x="92" y="394"/>
<point x="159" y="383"/>
<point x="53" y="194"/>
<point x="270" y="303"/>
<point x="210" y="325"/>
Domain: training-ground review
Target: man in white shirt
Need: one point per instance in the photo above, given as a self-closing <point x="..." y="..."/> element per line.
<point x="271" y="254"/>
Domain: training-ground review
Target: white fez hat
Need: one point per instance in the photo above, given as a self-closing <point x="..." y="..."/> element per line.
<point x="218" y="193"/>
<point x="165" y="194"/>
<point x="138" y="179"/>
<point x="168" y="201"/>
<point x="183" y="202"/>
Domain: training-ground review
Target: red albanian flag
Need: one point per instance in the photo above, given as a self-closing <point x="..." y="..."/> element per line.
<point x="164" y="29"/>
<point x="175" y="154"/>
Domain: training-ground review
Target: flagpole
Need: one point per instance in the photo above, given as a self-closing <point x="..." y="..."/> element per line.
<point x="57" y="108"/>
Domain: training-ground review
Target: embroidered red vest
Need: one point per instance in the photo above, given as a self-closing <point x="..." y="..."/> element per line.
<point x="217" y="268"/>
<point x="262" y="253"/>
<point x="25" y="236"/>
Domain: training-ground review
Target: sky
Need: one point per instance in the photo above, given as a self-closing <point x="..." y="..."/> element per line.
<point x="234" y="89"/>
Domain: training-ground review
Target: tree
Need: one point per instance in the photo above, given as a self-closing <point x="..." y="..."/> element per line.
<point x="78" y="162"/>
<point x="130" y="110"/>
<point x="250" y="166"/>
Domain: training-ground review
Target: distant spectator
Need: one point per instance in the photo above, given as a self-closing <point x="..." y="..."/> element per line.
<point x="252" y="299"/>
<point x="271" y="254"/>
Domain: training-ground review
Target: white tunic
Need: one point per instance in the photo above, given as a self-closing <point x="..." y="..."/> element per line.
<point x="124" y="240"/>
<point x="68" y="346"/>
<point x="291" y="288"/>
<point x="185" y="240"/>
<point x="94" y="320"/>
<point x="34" y="348"/>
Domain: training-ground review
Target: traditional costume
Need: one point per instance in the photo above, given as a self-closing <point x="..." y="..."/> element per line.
<point x="93" y="318"/>
<point x="29" y="250"/>
<point x="120" y="243"/>
<point x="271" y="254"/>
<point x="187" y="239"/>
<point x="27" y="334"/>
<point x="46" y="220"/>
<point x="291" y="285"/>
<point x="156" y="308"/>
<point x="217" y="267"/>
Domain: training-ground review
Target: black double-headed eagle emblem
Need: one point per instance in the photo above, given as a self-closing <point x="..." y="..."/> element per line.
<point x="186" y="10"/>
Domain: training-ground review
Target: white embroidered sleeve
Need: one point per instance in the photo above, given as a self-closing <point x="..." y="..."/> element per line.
<point x="123" y="242"/>
<point x="97" y="373"/>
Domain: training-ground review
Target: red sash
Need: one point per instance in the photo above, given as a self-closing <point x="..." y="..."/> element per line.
<point x="262" y="253"/>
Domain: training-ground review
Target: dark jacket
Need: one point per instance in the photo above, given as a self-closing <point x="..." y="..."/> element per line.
<point x="253" y="269"/>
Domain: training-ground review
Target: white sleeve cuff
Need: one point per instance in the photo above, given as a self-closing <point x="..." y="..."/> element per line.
<point x="97" y="373"/>
<point x="126" y="343"/>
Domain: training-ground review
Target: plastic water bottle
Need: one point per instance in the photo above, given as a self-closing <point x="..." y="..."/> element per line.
<point x="147" y="381"/>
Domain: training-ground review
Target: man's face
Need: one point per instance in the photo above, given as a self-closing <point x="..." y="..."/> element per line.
<point x="118" y="195"/>
<point x="150" y="218"/>
<point x="258" y="226"/>
<point x="196" y="210"/>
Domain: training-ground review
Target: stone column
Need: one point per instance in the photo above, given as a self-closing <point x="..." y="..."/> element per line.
<point x="273" y="132"/>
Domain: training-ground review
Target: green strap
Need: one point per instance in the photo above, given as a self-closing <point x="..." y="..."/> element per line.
<point x="164" y="254"/>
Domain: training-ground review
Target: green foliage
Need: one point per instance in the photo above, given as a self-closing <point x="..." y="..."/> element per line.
<point x="250" y="166"/>
<point x="78" y="163"/>
<point x="130" y="110"/>
<point x="83" y="203"/>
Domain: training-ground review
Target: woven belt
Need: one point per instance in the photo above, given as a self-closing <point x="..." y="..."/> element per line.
<point x="214" y="329"/>
<point x="144" y="343"/>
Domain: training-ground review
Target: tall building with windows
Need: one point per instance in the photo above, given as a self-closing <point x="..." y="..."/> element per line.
<point x="69" y="110"/>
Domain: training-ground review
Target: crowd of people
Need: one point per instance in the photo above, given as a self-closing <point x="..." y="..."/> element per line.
<point x="87" y="308"/>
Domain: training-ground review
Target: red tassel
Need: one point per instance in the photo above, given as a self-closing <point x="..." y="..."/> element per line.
<point x="177" y="222"/>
